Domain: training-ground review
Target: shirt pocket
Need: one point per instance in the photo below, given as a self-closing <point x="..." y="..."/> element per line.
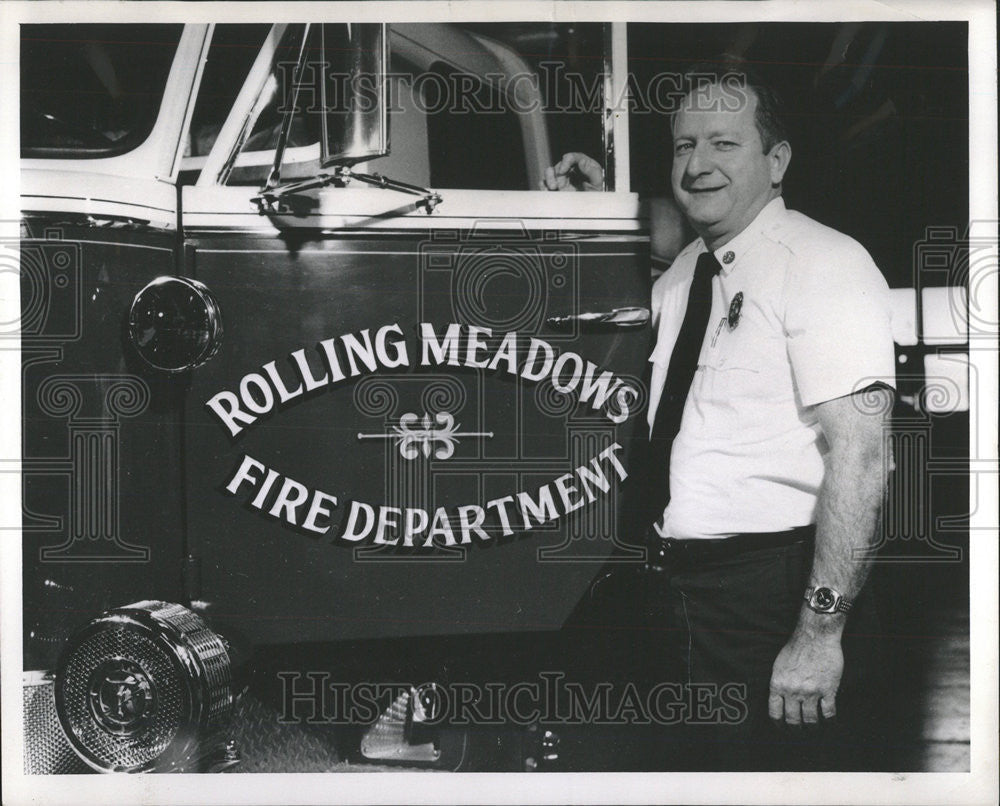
<point x="749" y="371"/>
<point x="731" y="384"/>
<point x="731" y="351"/>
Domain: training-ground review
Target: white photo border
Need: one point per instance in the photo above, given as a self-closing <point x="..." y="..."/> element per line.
<point x="977" y="786"/>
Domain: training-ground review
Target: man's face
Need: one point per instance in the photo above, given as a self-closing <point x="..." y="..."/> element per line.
<point x="721" y="176"/>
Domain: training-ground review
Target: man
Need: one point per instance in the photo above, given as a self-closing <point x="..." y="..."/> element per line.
<point x="768" y="417"/>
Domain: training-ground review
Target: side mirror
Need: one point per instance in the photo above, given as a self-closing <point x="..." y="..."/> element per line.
<point x="355" y="93"/>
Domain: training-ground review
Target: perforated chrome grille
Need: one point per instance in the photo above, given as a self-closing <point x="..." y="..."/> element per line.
<point x="46" y="749"/>
<point x="165" y="714"/>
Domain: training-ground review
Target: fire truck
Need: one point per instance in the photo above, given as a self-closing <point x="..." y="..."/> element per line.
<point x="308" y="358"/>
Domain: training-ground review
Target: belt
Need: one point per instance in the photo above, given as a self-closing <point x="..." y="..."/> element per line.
<point x="665" y="551"/>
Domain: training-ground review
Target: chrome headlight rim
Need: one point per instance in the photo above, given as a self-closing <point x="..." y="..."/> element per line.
<point x="213" y="323"/>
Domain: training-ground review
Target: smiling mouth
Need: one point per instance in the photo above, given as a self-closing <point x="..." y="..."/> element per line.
<point x="704" y="190"/>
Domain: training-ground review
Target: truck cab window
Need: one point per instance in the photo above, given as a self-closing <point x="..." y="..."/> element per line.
<point x="474" y="149"/>
<point x="567" y="62"/>
<point x="478" y="107"/>
<point x="91" y="91"/>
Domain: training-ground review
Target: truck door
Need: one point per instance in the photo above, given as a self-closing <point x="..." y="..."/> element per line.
<point x="367" y="399"/>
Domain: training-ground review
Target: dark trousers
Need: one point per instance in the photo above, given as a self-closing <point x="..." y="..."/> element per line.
<point x="727" y="620"/>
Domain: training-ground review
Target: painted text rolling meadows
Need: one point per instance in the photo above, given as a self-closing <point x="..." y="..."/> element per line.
<point x="336" y="361"/>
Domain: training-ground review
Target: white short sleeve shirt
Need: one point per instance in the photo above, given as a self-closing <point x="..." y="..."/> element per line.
<point x="800" y="315"/>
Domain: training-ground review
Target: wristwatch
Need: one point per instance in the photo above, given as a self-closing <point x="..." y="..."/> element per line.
<point x="826" y="600"/>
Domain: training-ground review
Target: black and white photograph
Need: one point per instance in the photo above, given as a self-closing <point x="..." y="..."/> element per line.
<point x="562" y="402"/>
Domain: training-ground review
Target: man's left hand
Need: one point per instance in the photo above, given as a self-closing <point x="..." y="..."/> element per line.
<point x="805" y="679"/>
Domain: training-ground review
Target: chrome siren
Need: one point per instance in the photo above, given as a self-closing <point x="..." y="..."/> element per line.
<point x="147" y="687"/>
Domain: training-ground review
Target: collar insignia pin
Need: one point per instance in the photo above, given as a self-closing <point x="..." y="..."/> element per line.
<point x="734" y="310"/>
<point x="729" y="257"/>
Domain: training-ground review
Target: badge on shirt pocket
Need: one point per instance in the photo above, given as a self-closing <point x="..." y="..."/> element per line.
<point x="734" y="310"/>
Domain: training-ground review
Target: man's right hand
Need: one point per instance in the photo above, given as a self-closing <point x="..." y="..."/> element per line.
<point x="574" y="171"/>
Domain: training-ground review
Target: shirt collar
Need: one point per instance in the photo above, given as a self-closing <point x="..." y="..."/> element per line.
<point x="729" y="253"/>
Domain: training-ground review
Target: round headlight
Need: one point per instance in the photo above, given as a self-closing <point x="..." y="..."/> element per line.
<point x="175" y="324"/>
<point x="143" y="688"/>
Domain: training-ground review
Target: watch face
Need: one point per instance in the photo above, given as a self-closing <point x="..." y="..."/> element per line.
<point x="824" y="598"/>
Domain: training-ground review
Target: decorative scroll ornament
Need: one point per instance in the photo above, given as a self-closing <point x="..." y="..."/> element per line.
<point x="415" y="435"/>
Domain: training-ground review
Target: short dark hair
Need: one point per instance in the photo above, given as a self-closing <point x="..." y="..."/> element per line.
<point x="726" y="69"/>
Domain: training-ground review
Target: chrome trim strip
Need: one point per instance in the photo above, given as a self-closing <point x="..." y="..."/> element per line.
<point x="191" y="100"/>
<point x="360" y="252"/>
<point x="619" y="110"/>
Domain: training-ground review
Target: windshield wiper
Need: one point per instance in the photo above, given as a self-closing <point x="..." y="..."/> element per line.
<point x="269" y="199"/>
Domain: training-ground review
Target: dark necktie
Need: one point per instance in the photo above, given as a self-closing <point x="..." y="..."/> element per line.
<point x="680" y="373"/>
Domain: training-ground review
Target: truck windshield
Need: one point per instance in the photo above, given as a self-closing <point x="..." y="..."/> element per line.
<point x="92" y="91"/>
